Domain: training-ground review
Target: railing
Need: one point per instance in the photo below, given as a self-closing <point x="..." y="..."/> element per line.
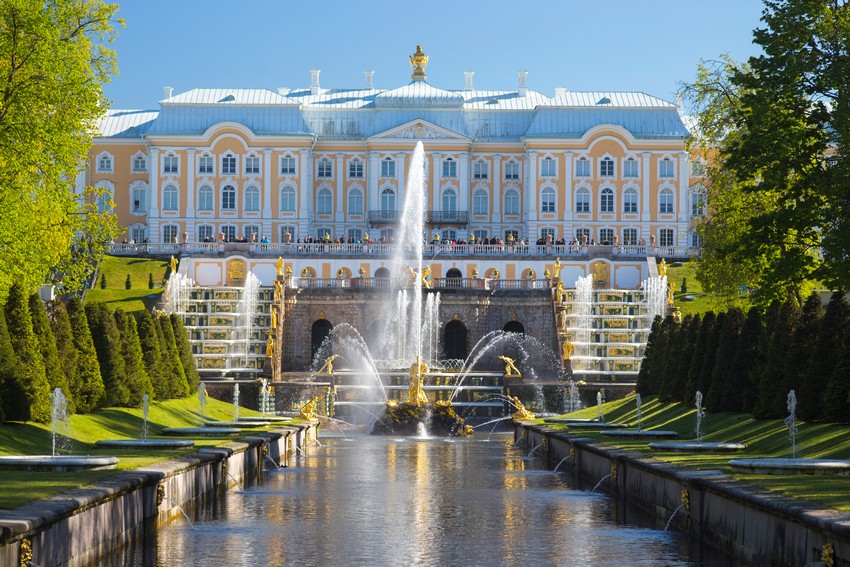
<point x="447" y="217"/>
<point x="377" y="217"/>
<point x="383" y="250"/>
<point x="404" y="282"/>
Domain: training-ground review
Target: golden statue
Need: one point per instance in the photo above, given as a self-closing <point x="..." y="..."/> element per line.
<point x="547" y="274"/>
<point x="362" y="272"/>
<point x="521" y="412"/>
<point x="278" y="289"/>
<point x="532" y="275"/>
<point x="411" y="276"/>
<point x="289" y="271"/>
<point x="426" y="271"/>
<point x="415" y="394"/>
<point x="340" y="273"/>
<point x="305" y="273"/>
<point x="174" y="263"/>
<point x="270" y="347"/>
<point x="365" y="238"/>
<point x="510" y="368"/>
<point x="568" y="349"/>
<point x="562" y="319"/>
<point x="662" y="268"/>
<point x="474" y="272"/>
<point x="327" y="368"/>
<point x="556" y="269"/>
<point x="418" y="61"/>
<point x="496" y="274"/>
<point x="308" y="410"/>
<point x="671" y="289"/>
<point x="274" y="318"/>
<point x="279" y="266"/>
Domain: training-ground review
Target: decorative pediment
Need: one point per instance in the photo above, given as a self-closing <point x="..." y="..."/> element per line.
<point x="419" y="130"/>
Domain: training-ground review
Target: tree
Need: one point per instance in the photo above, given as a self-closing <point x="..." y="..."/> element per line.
<point x="834" y="325"/>
<point x="56" y="376"/>
<point x="151" y="283"/>
<point x="151" y="354"/>
<point x="706" y="327"/>
<point x="777" y="131"/>
<point x="690" y="329"/>
<point x="60" y="324"/>
<point x="87" y="385"/>
<point x="54" y="65"/>
<point x="128" y="283"/>
<point x="747" y="359"/>
<point x="138" y="381"/>
<point x="800" y="352"/>
<point x="837" y="395"/>
<point x="722" y="374"/>
<point x="774" y="383"/>
<point x="9" y="392"/>
<point x="33" y="404"/>
<point x="107" y="344"/>
<point x="175" y="377"/>
<point x="181" y="338"/>
<point x="648" y="378"/>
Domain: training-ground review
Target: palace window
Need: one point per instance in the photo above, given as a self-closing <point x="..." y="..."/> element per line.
<point x="511" y="235"/>
<point x="581" y="234"/>
<point x="479" y="235"/>
<point x="606" y="167"/>
<point x="355" y="202"/>
<point x="480" y="170"/>
<point x="388" y="168"/>
<point x="449" y="200"/>
<point x="480" y="203"/>
<point x="666" y="168"/>
<point x="170" y="164"/>
<point x="138" y="233"/>
<point x="582" y="201"/>
<point x="355" y="169"/>
<point x="205" y="233"/>
<point x="228" y="165"/>
<point x="104" y="163"/>
<point x="140" y="199"/>
<point x="252" y="199"/>
<point x="355" y="234"/>
<point x="449" y="168"/>
<point x="697" y="204"/>
<point x="206" y="198"/>
<point x="630" y="236"/>
<point x="665" y="201"/>
<point x="387" y="200"/>
<point x="287" y="234"/>
<point x="250" y="230"/>
<point x="511" y="202"/>
<point x="228" y="198"/>
<point x="169" y="233"/>
<point x="252" y="165"/>
<point x="547" y="200"/>
<point x="665" y="237"/>
<point x="449" y="235"/>
<point x="606" y="203"/>
<point x="325" y="168"/>
<point x="206" y="165"/>
<point x="287" y="165"/>
<point x="630" y="168"/>
<point x="169" y="198"/>
<point x="630" y="201"/>
<point x="287" y="200"/>
<point x="606" y="235"/>
<point x="582" y="167"/>
<point x="512" y="170"/>
<point x="547" y="167"/>
<point x="697" y="168"/>
<point x="140" y="164"/>
<point x="229" y="232"/>
<point x="324" y="202"/>
<point x="547" y="234"/>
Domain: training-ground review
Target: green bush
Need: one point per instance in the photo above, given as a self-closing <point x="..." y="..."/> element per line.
<point x="151" y="283"/>
<point x="684" y="285"/>
<point x="128" y="283"/>
<point x="102" y="281"/>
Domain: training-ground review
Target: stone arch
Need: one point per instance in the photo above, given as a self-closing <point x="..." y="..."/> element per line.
<point x="455" y="340"/>
<point x="453" y="278"/>
<point x="382" y="272"/>
<point x="318" y="333"/>
<point x="514" y="327"/>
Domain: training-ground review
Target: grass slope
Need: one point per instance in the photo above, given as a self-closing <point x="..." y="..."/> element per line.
<point x="764" y="438"/>
<point x="116" y="269"/>
<point x="17" y="488"/>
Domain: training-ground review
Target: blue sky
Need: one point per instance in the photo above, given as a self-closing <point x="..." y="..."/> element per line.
<point x="617" y="45"/>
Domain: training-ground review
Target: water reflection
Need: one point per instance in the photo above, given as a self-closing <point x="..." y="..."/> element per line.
<point x="383" y="501"/>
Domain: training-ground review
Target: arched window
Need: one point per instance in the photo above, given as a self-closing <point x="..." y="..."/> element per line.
<point x="287" y="200"/>
<point x="169" y="198"/>
<point x="324" y="202"/>
<point x="449" y="200"/>
<point x="228" y="198"/>
<point x="355" y="202"/>
<point x="139" y="202"/>
<point x="665" y="201"/>
<point x="582" y="201"/>
<point x="547" y="167"/>
<point x="140" y="164"/>
<point x="252" y="165"/>
<point x="449" y="168"/>
<point x="582" y="167"/>
<point x="511" y="202"/>
<point x="666" y="168"/>
<point x="320" y="331"/>
<point x="606" y="203"/>
<point x="547" y="200"/>
<point x="387" y="200"/>
<point x="355" y="168"/>
<point x="206" y="198"/>
<point x="104" y="163"/>
<point x="480" y="170"/>
<point x="606" y="167"/>
<point x="325" y="168"/>
<point x="697" y="203"/>
<point x="455" y="340"/>
<point x="630" y="201"/>
<point x="480" y="203"/>
<point x="388" y="167"/>
<point x="252" y="199"/>
<point x="630" y="168"/>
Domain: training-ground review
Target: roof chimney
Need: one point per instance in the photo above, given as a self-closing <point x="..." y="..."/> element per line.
<point x="167" y="91"/>
<point x="369" y="73"/>
<point x="522" y="88"/>
<point x="314" y="81"/>
<point x="468" y="75"/>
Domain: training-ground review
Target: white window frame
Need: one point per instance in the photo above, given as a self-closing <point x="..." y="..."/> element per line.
<point x="206" y="164"/>
<point x="481" y="170"/>
<point x="388" y="168"/>
<point x="663" y="239"/>
<point x="252" y="199"/>
<point x="285" y="163"/>
<point x="582" y="204"/>
<point x="449" y="168"/>
<point x="631" y="161"/>
<point x="355" y="201"/>
<point x="224" y="197"/>
<point x="548" y="167"/>
<point x="666" y="168"/>
<point x="666" y="201"/>
<point x="607" y="167"/>
<point x="134" y="163"/>
<point x="285" y="191"/>
<point x="611" y="207"/>
<point x="324" y="201"/>
<point x="169" y="233"/>
<point x="548" y="200"/>
<point x="355" y="168"/>
<point x="252" y="164"/>
<point x="171" y="164"/>
<point x="480" y="202"/>
<point x="105" y="162"/>
<point x="202" y="205"/>
<point x="627" y="193"/>
<point x="512" y="169"/>
<point x="583" y="166"/>
<point x="173" y="195"/>
<point x="324" y="168"/>
<point x="511" y="195"/>
<point x="139" y="206"/>
<point x="229" y="164"/>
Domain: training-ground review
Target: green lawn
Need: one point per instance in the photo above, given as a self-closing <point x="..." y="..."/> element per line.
<point x="764" y="438"/>
<point x="116" y="269"/>
<point x="701" y="301"/>
<point x="17" y="488"/>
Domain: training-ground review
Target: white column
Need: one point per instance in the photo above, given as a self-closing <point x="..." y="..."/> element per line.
<point x="435" y="190"/>
<point x="340" y="175"/>
<point x="399" y="175"/>
<point x="153" y="214"/>
<point x="305" y="197"/>
<point x="190" y="182"/>
<point x="531" y="188"/>
<point x="683" y="187"/>
<point x="372" y="176"/>
<point x="568" y="186"/>
<point x="463" y="181"/>
<point x="267" y="194"/>
<point x="645" y="212"/>
<point x="497" y="188"/>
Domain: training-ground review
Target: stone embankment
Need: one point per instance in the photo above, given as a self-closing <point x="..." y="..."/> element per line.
<point x="77" y="527"/>
<point x="754" y="525"/>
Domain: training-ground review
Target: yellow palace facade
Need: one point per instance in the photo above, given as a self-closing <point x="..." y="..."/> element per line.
<point x="312" y="164"/>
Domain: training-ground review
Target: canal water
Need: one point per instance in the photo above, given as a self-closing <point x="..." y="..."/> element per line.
<point x="368" y="500"/>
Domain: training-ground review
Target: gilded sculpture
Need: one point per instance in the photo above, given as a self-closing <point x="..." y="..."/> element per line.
<point x="308" y="410"/>
<point x="520" y="413"/>
<point x="426" y="271"/>
<point x="327" y="368"/>
<point x="415" y="394"/>
<point x="662" y="268"/>
<point x="510" y="367"/>
<point x="270" y="347"/>
<point x="418" y="61"/>
<point x="279" y="266"/>
<point x="568" y="349"/>
<point x="174" y="263"/>
<point x="556" y="268"/>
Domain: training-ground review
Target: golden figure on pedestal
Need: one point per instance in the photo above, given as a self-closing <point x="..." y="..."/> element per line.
<point x="568" y="349"/>
<point x="510" y="368"/>
<point x="415" y="394"/>
<point x="327" y="368"/>
<point x="521" y="412"/>
<point x="308" y="410"/>
<point x="418" y="61"/>
<point x="279" y="266"/>
<point x="173" y="263"/>
<point x="426" y="271"/>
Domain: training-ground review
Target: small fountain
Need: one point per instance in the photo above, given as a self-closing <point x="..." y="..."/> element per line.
<point x="264" y="402"/>
<point x="235" y="423"/>
<point x="794" y="465"/>
<point x="639" y="433"/>
<point x="144" y="442"/>
<point x="698" y="446"/>
<point x="236" y="402"/>
<point x="599" y="422"/>
<point x="55" y="462"/>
